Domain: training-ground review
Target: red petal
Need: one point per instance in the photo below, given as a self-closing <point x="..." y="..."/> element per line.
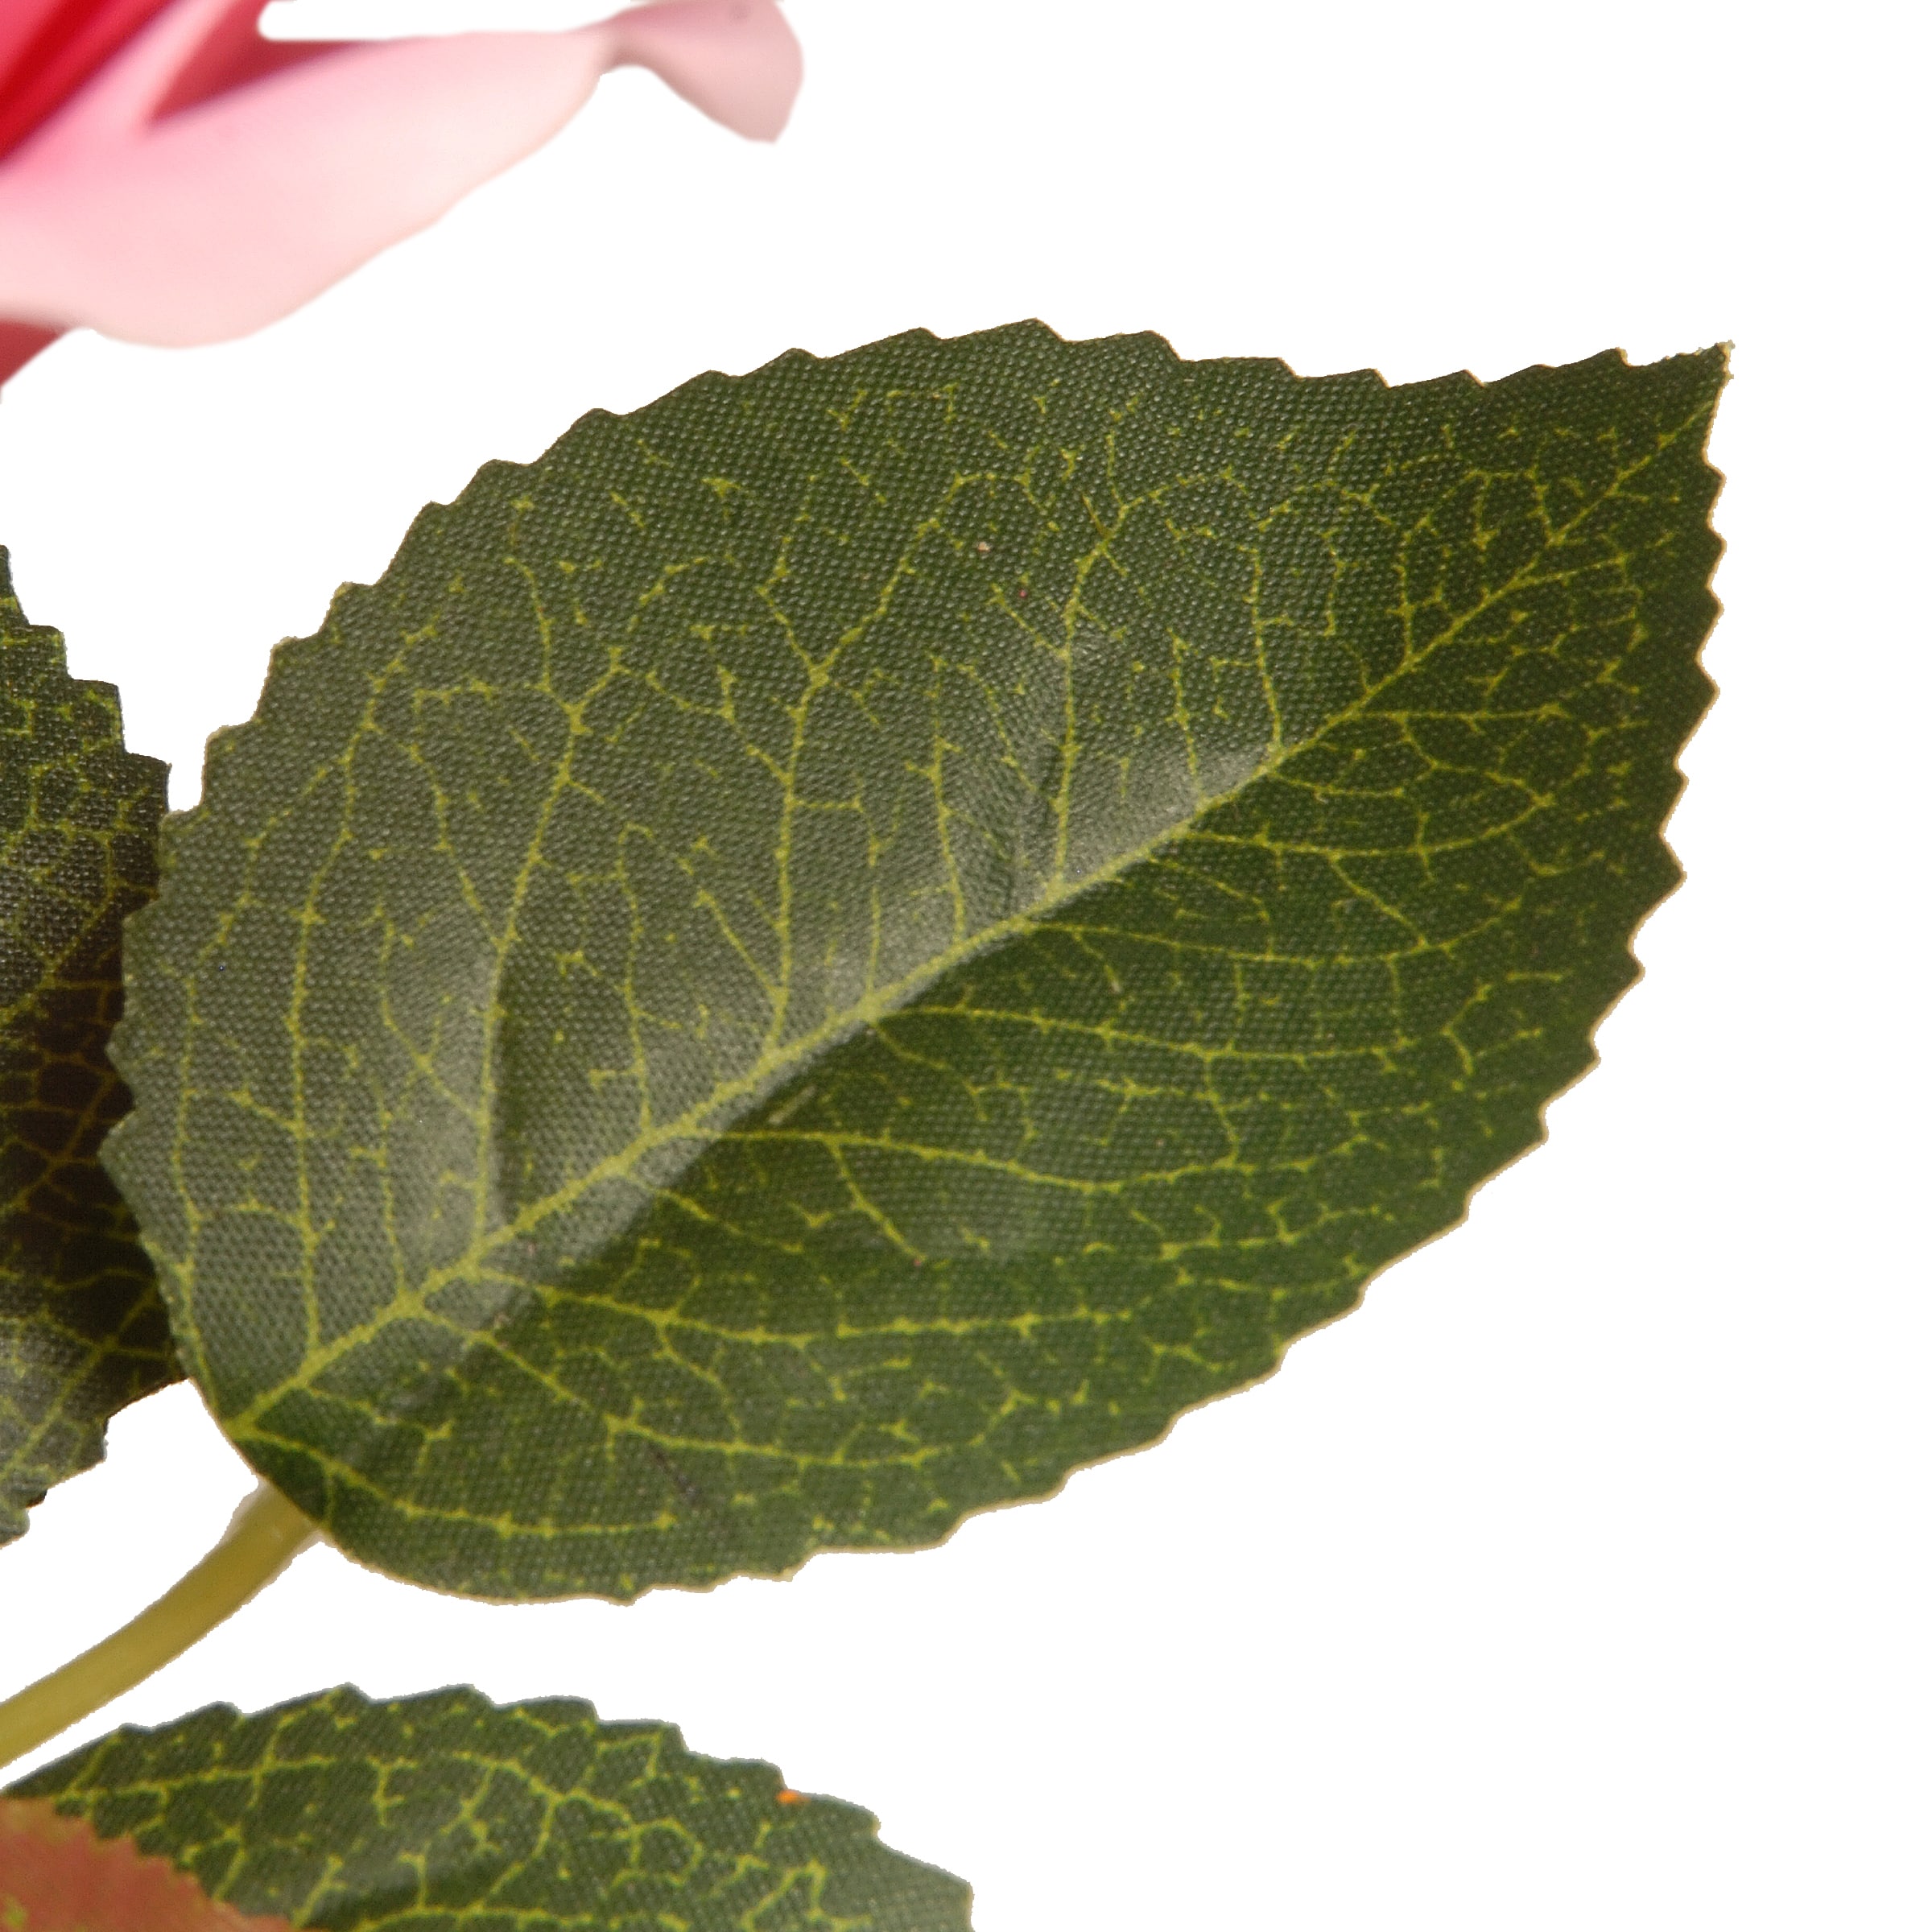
<point x="56" y="48"/>
<point x="232" y="55"/>
<point x="57" y="1877"/>
<point x="20" y="342"/>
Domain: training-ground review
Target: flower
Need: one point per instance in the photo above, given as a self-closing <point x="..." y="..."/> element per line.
<point x="56" y="1875"/>
<point x="168" y="175"/>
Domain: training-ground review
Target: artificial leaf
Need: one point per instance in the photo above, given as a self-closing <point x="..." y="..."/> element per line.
<point x="55" y="1876"/>
<point x="843" y="945"/>
<point x="448" y="1811"/>
<point x="82" y="1330"/>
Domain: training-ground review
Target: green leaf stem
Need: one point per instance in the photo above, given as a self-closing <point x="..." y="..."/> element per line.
<point x="840" y="947"/>
<point x="448" y="1814"/>
<point x="82" y="1330"/>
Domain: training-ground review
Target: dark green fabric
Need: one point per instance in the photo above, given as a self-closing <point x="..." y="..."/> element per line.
<point x="843" y="945"/>
<point x="82" y="1331"/>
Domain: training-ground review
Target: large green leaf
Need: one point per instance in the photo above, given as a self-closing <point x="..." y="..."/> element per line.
<point x="447" y="1813"/>
<point x="82" y="1330"/>
<point x="844" y="944"/>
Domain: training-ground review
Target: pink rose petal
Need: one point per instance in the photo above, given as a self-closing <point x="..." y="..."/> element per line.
<point x="55" y="1876"/>
<point x="736" y="61"/>
<point x="205" y="183"/>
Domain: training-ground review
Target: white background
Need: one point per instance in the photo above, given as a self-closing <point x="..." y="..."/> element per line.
<point x="1579" y="1581"/>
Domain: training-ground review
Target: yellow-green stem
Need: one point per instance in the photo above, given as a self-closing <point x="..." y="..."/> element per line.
<point x="268" y="1533"/>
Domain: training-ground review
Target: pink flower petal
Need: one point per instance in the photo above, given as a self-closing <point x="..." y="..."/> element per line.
<point x="55" y="1876"/>
<point x="231" y="55"/>
<point x="221" y="216"/>
<point x="736" y="61"/>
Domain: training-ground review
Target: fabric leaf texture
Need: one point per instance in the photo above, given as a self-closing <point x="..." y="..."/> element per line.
<point x="82" y="1329"/>
<point x="840" y="947"/>
<point x="447" y="1810"/>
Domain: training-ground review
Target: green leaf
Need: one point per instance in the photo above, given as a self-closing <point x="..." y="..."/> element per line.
<point x="446" y="1811"/>
<point x="82" y="1330"/>
<point x="847" y="944"/>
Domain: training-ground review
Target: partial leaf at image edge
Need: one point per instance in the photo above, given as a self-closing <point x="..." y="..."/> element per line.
<point x="842" y="946"/>
<point x="82" y="1329"/>
<point x="336" y="1811"/>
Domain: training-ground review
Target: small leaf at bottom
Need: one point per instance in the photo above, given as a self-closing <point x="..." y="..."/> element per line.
<point x="449" y="1811"/>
